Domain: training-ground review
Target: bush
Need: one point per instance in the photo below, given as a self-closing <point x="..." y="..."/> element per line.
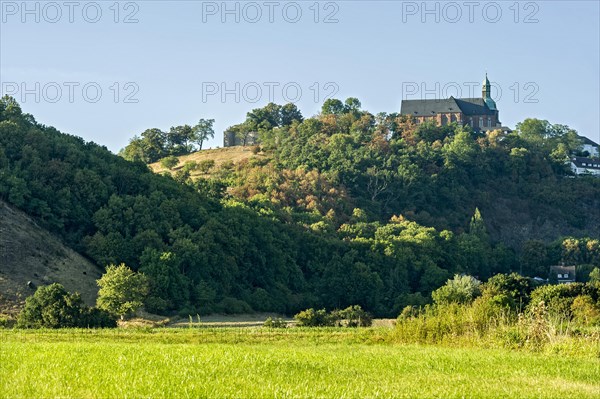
<point x="190" y="166"/>
<point x="514" y="288"/>
<point x="275" y="323"/>
<point x="461" y="289"/>
<point x="232" y="306"/>
<point x="6" y="321"/>
<point x="97" y="318"/>
<point x="187" y="311"/>
<point x="169" y="162"/>
<point x="559" y="298"/>
<point x="352" y="316"/>
<point x="156" y="305"/>
<point x="53" y="307"/>
<point x="314" y="318"/>
<point x="585" y="311"/>
<point x="206" y="165"/>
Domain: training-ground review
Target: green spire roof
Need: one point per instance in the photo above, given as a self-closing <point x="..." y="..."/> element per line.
<point x="486" y="82"/>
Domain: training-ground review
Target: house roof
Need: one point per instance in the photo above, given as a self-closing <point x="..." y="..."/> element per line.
<point x="587" y="163"/>
<point x="585" y="140"/>
<point x="562" y="269"/>
<point x="468" y="106"/>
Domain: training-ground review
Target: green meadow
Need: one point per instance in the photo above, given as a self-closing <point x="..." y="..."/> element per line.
<point x="291" y="363"/>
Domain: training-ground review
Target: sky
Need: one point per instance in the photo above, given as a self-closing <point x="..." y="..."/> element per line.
<point x="108" y="70"/>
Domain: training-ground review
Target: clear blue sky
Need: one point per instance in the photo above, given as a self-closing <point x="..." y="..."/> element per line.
<point x="545" y="59"/>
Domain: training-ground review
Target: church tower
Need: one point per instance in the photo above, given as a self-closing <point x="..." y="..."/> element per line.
<point x="486" y="94"/>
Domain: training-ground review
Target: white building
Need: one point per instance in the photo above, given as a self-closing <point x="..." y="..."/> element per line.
<point x="590" y="147"/>
<point x="585" y="166"/>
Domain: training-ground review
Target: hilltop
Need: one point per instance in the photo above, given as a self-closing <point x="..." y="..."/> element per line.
<point x="218" y="155"/>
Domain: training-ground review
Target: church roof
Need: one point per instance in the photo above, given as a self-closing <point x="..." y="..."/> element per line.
<point x="468" y="106"/>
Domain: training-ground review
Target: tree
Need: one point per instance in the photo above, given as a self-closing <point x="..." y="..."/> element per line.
<point x="169" y="162"/>
<point x="53" y="307"/>
<point x="202" y="131"/>
<point x="122" y="291"/>
<point x="534" y="258"/>
<point x="289" y="114"/>
<point x="595" y="276"/>
<point x="352" y="106"/>
<point x="153" y="145"/>
<point x="179" y="140"/>
<point x="477" y="226"/>
<point x="332" y="106"/>
<point x="461" y="289"/>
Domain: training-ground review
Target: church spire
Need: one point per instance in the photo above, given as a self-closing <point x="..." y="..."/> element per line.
<point x="486" y="89"/>
<point x="486" y="94"/>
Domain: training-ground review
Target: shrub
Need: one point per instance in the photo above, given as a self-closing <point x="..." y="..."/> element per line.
<point x="5" y="321"/>
<point x="206" y="165"/>
<point x="352" y="316"/>
<point x="154" y="304"/>
<point x="187" y="311"/>
<point x="190" y="166"/>
<point x="275" y="323"/>
<point x="461" y="289"/>
<point x="514" y="288"/>
<point x="169" y="162"/>
<point x="232" y="306"/>
<point x="53" y="307"/>
<point x="97" y="318"/>
<point x="314" y="318"/>
<point x="594" y="276"/>
<point x="559" y="298"/>
<point x="585" y="311"/>
<point x="409" y="312"/>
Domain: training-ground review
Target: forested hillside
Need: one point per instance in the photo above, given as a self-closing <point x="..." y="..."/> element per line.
<point x="340" y="209"/>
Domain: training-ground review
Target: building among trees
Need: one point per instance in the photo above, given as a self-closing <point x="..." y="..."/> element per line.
<point x="479" y="113"/>
<point x="589" y="148"/>
<point x="562" y="274"/>
<point x="232" y="137"/>
<point x="585" y="166"/>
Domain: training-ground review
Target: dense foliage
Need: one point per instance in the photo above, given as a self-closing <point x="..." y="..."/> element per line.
<point x="507" y="310"/>
<point x="332" y="215"/>
<point x="122" y="291"/>
<point x="154" y="143"/>
<point x="53" y="307"/>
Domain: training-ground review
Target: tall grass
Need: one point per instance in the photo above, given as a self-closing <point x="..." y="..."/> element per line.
<point x="481" y="325"/>
<point x="262" y="363"/>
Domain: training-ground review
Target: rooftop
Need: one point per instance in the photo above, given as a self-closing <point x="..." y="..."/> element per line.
<point x="468" y="106"/>
<point x="588" y="163"/>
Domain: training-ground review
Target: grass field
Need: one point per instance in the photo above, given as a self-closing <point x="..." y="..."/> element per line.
<point x="242" y="363"/>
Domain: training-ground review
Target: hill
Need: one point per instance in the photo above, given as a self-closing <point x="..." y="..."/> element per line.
<point x="220" y="156"/>
<point x="30" y="253"/>
<point x="339" y="209"/>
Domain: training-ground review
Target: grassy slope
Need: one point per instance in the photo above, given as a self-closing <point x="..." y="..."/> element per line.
<point x="30" y="253"/>
<point x="261" y="363"/>
<point x="219" y="155"/>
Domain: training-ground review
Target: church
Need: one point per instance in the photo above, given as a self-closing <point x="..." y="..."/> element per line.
<point x="479" y="113"/>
